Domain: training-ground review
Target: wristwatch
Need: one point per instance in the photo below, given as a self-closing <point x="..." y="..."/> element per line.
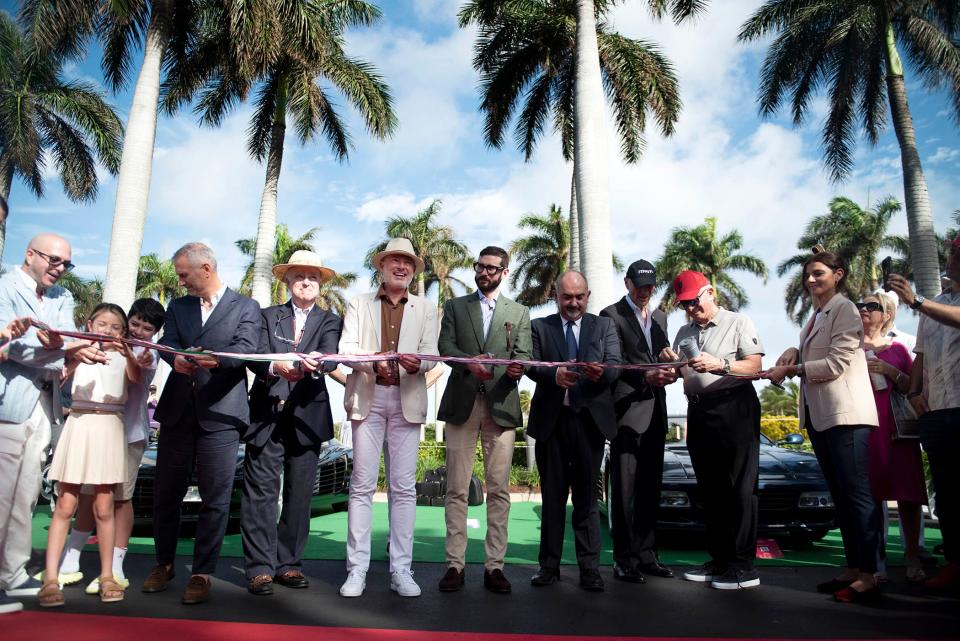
<point x="726" y="367"/>
<point x="918" y="301"/>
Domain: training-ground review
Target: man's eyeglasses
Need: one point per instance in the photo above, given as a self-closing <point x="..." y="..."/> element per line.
<point x="490" y="269"/>
<point x="688" y="304"/>
<point x="54" y="261"/>
<point x="872" y="306"/>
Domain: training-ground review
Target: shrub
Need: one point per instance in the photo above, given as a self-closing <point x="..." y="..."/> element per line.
<point x="776" y="428"/>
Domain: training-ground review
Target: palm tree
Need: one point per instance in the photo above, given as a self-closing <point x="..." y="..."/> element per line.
<point x="42" y="114"/>
<point x="283" y="248"/>
<point x="780" y="402"/>
<point x="526" y="54"/>
<point x="540" y="257"/>
<point x="87" y="294"/>
<point x="699" y="248"/>
<point x="853" y="233"/>
<point x="903" y="263"/>
<point x="157" y="278"/>
<point x="283" y="49"/>
<point x="333" y="295"/>
<point x="852" y="48"/>
<point x="434" y="244"/>
<point x="162" y="29"/>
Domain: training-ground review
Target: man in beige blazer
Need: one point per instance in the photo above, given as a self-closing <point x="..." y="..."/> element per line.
<point x="386" y="402"/>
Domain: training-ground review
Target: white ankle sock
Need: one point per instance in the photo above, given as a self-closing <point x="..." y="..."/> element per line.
<point x="71" y="552"/>
<point x="119" y="554"/>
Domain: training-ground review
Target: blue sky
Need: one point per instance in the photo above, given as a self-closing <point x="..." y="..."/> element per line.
<point x="764" y="178"/>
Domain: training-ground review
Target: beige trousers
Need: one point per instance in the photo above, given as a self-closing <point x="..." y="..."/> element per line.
<point x="497" y="445"/>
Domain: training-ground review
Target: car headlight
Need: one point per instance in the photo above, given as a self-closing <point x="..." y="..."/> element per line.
<point x="815" y="499"/>
<point x="192" y="495"/>
<point x="674" y="499"/>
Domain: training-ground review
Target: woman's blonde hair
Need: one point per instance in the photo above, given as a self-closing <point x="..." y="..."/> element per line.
<point x="888" y="306"/>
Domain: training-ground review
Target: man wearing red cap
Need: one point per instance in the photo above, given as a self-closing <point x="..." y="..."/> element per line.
<point x="935" y="395"/>
<point x="723" y="352"/>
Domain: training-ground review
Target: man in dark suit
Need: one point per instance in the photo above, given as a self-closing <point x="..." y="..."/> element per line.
<point x="571" y="414"/>
<point x="636" y="453"/>
<point x="289" y="421"/>
<point x="202" y="412"/>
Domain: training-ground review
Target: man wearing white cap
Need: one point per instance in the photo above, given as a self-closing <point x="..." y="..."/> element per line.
<point x="289" y="421"/>
<point x="386" y="402"/>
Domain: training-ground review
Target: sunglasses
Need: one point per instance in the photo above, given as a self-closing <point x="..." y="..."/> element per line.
<point x="688" y="304"/>
<point x="490" y="269"/>
<point x="870" y="307"/>
<point x="54" y="261"/>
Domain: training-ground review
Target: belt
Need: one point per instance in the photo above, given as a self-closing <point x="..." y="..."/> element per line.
<point x="707" y="397"/>
<point x="383" y="383"/>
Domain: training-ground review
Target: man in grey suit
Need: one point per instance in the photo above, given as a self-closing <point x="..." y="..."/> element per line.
<point x="482" y="401"/>
<point x="202" y="411"/>
<point x="636" y="453"/>
<point x="570" y="416"/>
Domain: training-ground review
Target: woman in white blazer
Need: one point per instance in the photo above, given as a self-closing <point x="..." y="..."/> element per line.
<point x="838" y="411"/>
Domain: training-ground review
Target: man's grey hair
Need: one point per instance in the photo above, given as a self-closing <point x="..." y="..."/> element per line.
<point x="197" y="254"/>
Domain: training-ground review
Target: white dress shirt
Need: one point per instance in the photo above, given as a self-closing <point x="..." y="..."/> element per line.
<point x="645" y="319"/>
<point x="487" y="307"/>
<point x="214" y="301"/>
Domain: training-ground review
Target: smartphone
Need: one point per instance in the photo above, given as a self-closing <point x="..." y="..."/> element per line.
<point x="885" y="268"/>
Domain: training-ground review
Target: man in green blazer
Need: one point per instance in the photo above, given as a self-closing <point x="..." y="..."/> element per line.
<point x="482" y="401"/>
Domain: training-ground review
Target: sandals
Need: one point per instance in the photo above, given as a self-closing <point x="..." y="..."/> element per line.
<point x="110" y="590"/>
<point x="50" y="595"/>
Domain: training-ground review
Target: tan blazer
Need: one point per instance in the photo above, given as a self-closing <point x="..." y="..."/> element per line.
<point x="361" y="335"/>
<point x="837" y="385"/>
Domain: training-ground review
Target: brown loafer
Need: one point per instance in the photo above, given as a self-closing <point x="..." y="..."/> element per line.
<point x="260" y="585"/>
<point x="292" y="579"/>
<point x="451" y="581"/>
<point x="198" y="590"/>
<point x="160" y="575"/>
<point x="496" y="582"/>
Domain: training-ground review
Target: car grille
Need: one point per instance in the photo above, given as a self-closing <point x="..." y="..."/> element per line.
<point x="333" y="477"/>
<point x="777" y="499"/>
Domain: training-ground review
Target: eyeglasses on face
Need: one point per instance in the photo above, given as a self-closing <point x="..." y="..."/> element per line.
<point x="490" y="269"/>
<point x="872" y="306"/>
<point x="688" y="304"/>
<point x="54" y="261"/>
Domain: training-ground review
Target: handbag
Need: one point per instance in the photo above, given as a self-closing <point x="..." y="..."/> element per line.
<point x="906" y="425"/>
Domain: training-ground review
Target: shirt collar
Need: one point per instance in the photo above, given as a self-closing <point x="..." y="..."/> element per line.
<point x="382" y="294"/>
<point x="634" y="307"/>
<point x="33" y="285"/>
<point x="297" y="310"/>
<point x="488" y="300"/>
<point x="713" y="321"/>
<point x="216" y="297"/>
<point x="576" y="323"/>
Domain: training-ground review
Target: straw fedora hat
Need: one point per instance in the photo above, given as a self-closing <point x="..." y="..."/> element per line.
<point x="304" y="258"/>
<point x="401" y="246"/>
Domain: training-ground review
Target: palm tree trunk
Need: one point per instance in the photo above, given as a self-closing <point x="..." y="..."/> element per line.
<point x="260" y="289"/>
<point x="590" y="150"/>
<point x="574" y="260"/>
<point x="421" y="284"/>
<point x="6" y="182"/>
<point x="923" y="240"/>
<point x="136" y="165"/>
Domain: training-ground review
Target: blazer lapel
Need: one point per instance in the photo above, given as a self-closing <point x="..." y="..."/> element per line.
<point x="221" y="310"/>
<point x="587" y="330"/>
<point x="627" y="312"/>
<point x="283" y="327"/>
<point x="410" y="323"/>
<point x="476" y="319"/>
<point x="496" y="339"/>
<point x="29" y="297"/>
<point x="310" y="327"/>
<point x="373" y="313"/>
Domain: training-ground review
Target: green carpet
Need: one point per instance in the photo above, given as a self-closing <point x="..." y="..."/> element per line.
<point x="328" y="540"/>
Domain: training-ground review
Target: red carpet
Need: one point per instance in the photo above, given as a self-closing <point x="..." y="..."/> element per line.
<point x="25" y="626"/>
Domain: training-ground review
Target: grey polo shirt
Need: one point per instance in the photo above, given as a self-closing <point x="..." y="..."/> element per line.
<point x="728" y="335"/>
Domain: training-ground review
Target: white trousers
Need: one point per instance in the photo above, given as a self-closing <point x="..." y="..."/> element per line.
<point x="383" y="425"/>
<point x="22" y="453"/>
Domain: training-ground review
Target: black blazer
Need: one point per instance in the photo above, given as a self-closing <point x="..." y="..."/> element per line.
<point x="219" y="395"/>
<point x="636" y="402"/>
<point x="598" y="343"/>
<point x="305" y="402"/>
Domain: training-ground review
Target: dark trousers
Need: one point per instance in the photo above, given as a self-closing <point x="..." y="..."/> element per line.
<point x="636" y="472"/>
<point x="271" y="547"/>
<point x="569" y="461"/>
<point x="182" y="447"/>
<point x="723" y="439"/>
<point x="940" y="436"/>
<point x="842" y="454"/>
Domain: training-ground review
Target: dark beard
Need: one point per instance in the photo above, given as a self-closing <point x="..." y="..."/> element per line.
<point x="490" y="286"/>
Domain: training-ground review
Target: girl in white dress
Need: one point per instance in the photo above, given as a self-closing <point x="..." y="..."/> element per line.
<point x="92" y="449"/>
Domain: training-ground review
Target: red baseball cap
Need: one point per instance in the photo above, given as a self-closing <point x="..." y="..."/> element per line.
<point x="687" y="285"/>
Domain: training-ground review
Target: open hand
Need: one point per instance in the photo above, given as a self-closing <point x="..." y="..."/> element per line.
<point x="566" y="378"/>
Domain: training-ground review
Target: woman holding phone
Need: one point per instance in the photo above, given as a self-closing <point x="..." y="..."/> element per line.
<point x="838" y="411"/>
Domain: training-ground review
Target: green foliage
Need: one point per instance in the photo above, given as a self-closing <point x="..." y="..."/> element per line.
<point x="87" y="294"/>
<point x="541" y="257"/>
<point x="157" y="278"/>
<point x="777" y="402"/>
<point x="776" y="428"/>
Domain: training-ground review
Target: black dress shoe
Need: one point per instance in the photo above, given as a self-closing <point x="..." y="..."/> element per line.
<point x="292" y="579"/>
<point x="833" y="585"/>
<point x="260" y="585"/>
<point x="656" y="569"/>
<point x="451" y="581"/>
<point x="627" y="573"/>
<point x="496" y="582"/>
<point x="591" y="581"/>
<point x="545" y="576"/>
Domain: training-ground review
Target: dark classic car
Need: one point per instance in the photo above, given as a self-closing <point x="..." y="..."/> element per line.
<point x="793" y="497"/>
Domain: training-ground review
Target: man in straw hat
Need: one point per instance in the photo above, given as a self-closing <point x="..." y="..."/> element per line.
<point x="386" y="402"/>
<point x="289" y="421"/>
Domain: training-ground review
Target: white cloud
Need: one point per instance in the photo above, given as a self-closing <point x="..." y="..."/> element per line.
<point x="944" y="154"/>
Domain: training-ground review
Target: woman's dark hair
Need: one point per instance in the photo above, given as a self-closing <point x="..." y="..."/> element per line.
<point x="149" y="310"/>
<point x="832" y="261"/>
<point x="103" y="308"/>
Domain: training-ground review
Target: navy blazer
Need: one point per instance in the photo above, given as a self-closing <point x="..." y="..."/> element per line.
<point x="306" y="402"/>
<point x="636" y="402"/>
<point x="219" y="395"/>
<point x="598" y="343"/>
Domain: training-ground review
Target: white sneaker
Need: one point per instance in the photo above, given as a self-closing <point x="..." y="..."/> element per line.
<point x="355" y="584"/>
<point x="403" y="584"/>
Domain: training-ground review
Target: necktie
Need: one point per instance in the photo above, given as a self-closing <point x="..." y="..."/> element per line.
<point x="571" y="342"/>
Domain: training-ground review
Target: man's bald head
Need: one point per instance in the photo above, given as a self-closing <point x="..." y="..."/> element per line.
<point x="47" y="259"/>
<point x="572" y="295"/>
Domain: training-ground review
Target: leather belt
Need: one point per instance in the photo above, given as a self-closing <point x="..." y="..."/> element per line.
<point x="707" y="397"/>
